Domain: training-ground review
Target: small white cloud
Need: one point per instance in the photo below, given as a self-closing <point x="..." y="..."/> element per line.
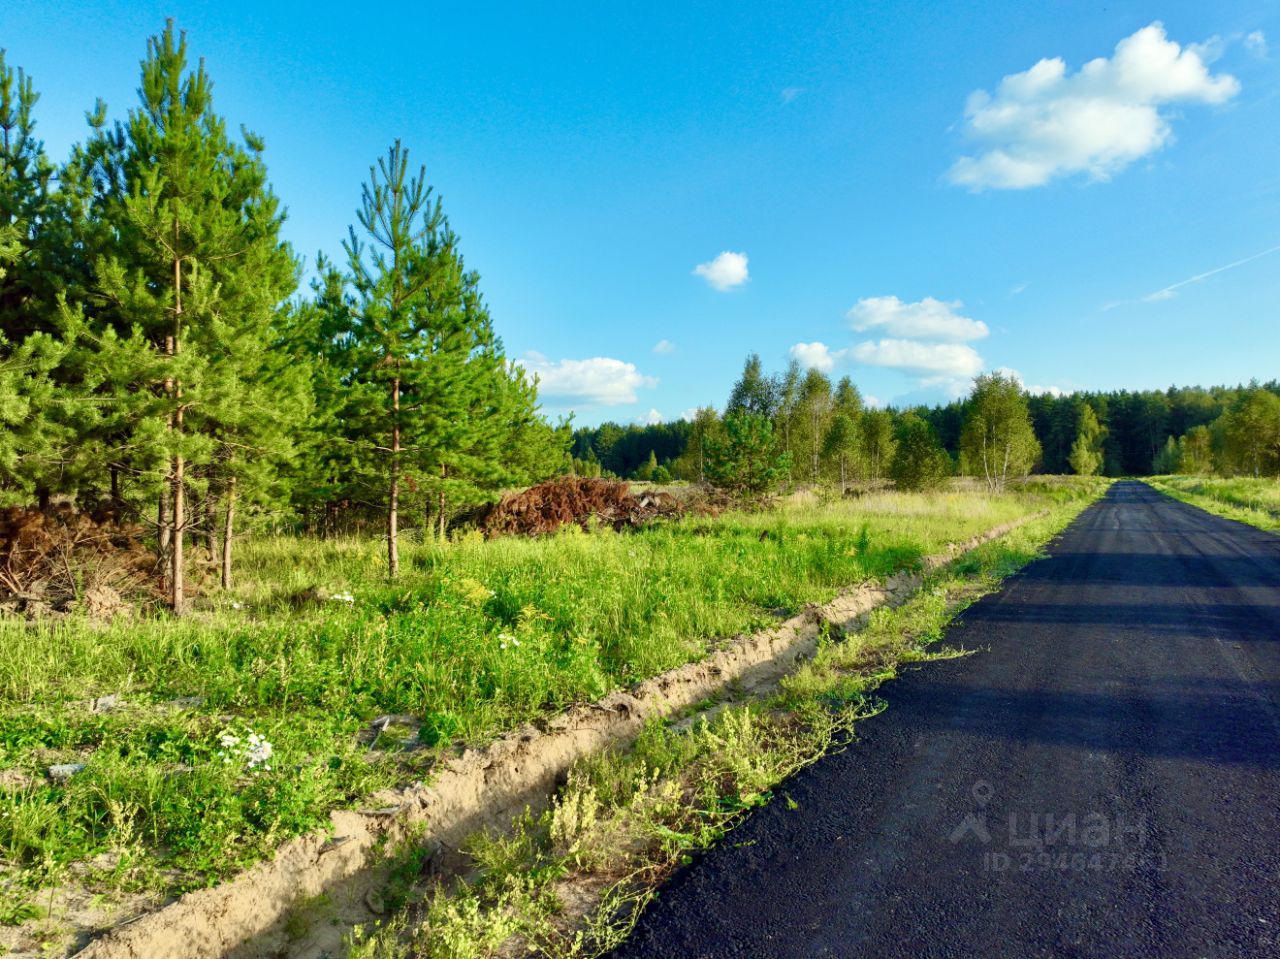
<point x="816" y="356"/>
<point x="1032" y="389"/>
<point x="600" y="379"/>
<point x="664" y="347"/>
<point x="1019" y="289"/>
<point x="652" y="418"/>
<point x="1045" y="123"/>
<point x="789" y="94"/>
<point x="726" y="271"/>
<point x="1256" y="43"/>
<point x="932" y="362"/>
<point x="927" y="319"/>
<point x="872" y="402"/>
<point x="690" y="414"/>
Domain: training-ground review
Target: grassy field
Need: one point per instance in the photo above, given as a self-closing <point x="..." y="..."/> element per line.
<point x="1249" y="500"/>
<point x="570" y="883"/>
<point x="241" y="724"/>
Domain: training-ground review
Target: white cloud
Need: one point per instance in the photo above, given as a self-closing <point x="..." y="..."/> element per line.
<point x="652" y="418"/>
<point x="664" y="347"/>
<point x="934" y="363"/>
<point x="816" y="356"/>
<point x="1033" y="389"/>
<point x="690" y="414"/>
<point x="789" y="94"/>
<point x="872" y="402"/>
<point x="726" y="271"/>
<point x="1256" y="43"/>
<point x="600" y="379"/>
<point x="927" y="319"/>
<point x="1043" y="123"/>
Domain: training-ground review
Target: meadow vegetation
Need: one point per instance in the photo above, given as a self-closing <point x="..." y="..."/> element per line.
<point x="572" y="881"/>
<point x="163" y="753"/>
<point x="1253" y="500"/>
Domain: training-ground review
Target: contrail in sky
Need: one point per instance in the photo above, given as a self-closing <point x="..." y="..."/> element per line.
<point x="1168" y="292"/>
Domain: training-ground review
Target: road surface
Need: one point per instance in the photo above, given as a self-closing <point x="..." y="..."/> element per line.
<point x="1102" y="779"/>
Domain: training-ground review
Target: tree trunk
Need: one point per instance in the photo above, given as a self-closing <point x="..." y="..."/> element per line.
<point x="164" y="533"/>
<point x="393" y="493"/>
<point x="211" y="524"/>
<point x="227" y="530"/>
<point x="177" y="598"/>
<point x="115" y="491"/>
<point x="440" y="517"/>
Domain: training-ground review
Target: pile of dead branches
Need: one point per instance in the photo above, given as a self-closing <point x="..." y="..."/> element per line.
<point x="63" y="560"/>
<point x="575" y="500"/>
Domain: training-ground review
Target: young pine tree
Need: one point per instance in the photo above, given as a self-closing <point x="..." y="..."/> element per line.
<point x="191" y="273"/>
<point x="919" y="461"/>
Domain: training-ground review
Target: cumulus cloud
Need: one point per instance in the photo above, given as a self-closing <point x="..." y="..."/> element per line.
<point x="599" y="380"/>
<point x="652" y="418"/>
<point x="1256" y="43"/>
<point x="816" y="356"/>
<point x="1033" y="389"/>
<point x="664" y="347"/>
<point x="1045" y="123"/>
<point x="933" y="363"/>
<point x="927" y="319"/>
<point x="725" y="272"/>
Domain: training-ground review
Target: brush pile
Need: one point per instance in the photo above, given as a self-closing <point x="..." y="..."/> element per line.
<point x="62" y="560"/>
<point x="576" y="500"/>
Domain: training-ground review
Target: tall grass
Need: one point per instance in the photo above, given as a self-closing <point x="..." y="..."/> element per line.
<point x="474" y="638"/>
<point x="1251" y="500"/>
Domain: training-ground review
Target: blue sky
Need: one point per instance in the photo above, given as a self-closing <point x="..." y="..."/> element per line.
<point x="594" y="156"/>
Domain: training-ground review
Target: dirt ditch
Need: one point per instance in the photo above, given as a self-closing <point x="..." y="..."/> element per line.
<point x="249" y="917"/>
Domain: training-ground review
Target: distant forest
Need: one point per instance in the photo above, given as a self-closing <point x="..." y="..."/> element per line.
<point x="1138" y="427"/>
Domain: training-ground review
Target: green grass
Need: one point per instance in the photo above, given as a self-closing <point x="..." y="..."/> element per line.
<point x="1249" y="500"/>
<point x="475" y="638"/>
<point x="628" y="817"/>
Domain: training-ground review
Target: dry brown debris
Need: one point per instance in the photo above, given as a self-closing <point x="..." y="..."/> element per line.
<point x="62" y="560"/>
<point x="575" y="500"/>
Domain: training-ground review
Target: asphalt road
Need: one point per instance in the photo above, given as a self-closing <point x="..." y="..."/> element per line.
<point x="1102" y="779"/>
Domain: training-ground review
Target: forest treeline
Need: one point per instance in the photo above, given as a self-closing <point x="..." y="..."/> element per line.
<point x="1221" y="429"/>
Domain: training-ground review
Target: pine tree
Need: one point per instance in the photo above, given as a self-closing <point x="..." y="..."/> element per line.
<point x="746" y="458"/>
<point x="431" y="394"/>
<point x="192" y="272"/>
<point x="26" y="294"/>
<point x="919" y="462"/>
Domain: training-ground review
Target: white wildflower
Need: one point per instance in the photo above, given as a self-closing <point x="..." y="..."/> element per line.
<point x="507" y="641"/>
<point x="254" y="751"/>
